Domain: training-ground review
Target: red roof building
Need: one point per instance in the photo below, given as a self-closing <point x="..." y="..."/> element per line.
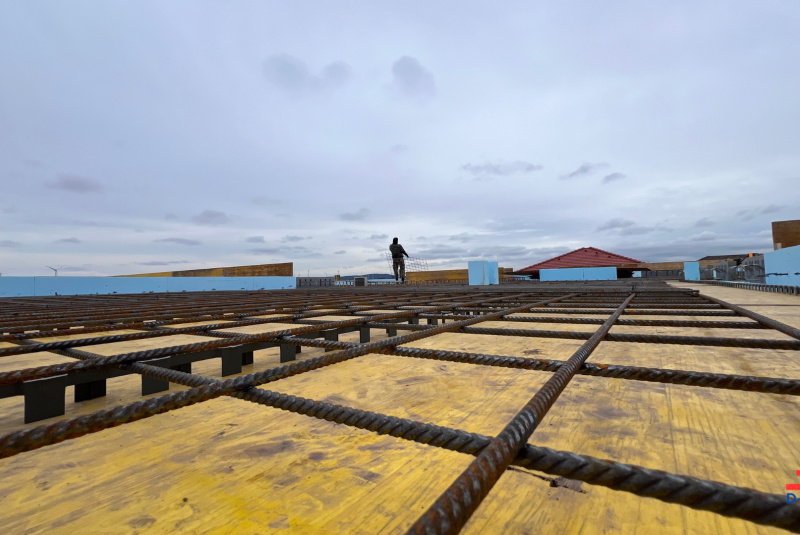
<point x="583" y="257"/>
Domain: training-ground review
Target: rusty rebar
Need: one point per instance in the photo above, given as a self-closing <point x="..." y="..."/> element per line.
<point x="455" y="506"/>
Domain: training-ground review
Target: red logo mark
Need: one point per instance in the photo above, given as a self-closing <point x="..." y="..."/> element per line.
<point x="793" y="486"/>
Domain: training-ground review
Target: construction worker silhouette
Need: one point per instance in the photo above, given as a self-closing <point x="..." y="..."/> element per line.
<point x="398" y="262"/>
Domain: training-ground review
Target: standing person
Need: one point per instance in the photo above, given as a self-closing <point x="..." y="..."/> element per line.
<point x="398" y="262"/>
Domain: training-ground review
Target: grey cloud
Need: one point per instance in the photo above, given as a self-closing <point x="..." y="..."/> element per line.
<point x="161" y="263"/>
<point x="585" y="169"/>
<point x="265" y="250"/>
<point x="629" y="228"/>
<point x="501" y="169"/>
<point x="379" y="237"/>
<point x="266" y="201"/>
<point x="705" y="236"/>
<point x="68" y="240"/>
<point x="550" y="250"/>
<point x="291" y="75"/>
<point x="294" y="238"/>
<point x="76" y="184"/>
<point x="170" y="216"/>
<point x="8" y="210"/>
<point x="336" y="74"/>
<point x="612" y="177"/>
<point x="360" y="215"/>
<point x="211" y="217"/>
<point x="615" y="223"/>
<point x="33" y="163"/>
<point x="441" y="251"/>
<point x="340" y="252"/>
<point x="179" y="241"/>
<point x="82" y="223"/>
<point x="514" y="224"/>
<point x="398" y="148"/>
<point x="636" y="230"/>
<point x="748" y="215"/>
<point x="463" y="237"/>
<point x="85" y="267"/>
<point x="771" y="209"/>
<point x="255" y="239"/>
<point x="286" y="72"/>
<point x="704" y="222"/>
<point x="287" y="250"/>
<point x="501" y="251"/>
<point x="411" y="79"/>
<point x="9" y="243"/>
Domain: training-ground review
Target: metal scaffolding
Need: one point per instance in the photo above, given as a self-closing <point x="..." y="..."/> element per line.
<point x="413" y="263"/>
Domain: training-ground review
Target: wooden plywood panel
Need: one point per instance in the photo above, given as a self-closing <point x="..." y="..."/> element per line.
<point x="194" y="324"/>
<point x="259" y="328"/>
<point x="227" y="463"/>
<point x="738" y="296"/>
<point x="785" y="233"/>
<point x="231" y="466"/>
<point x="285" y="269"/>
<point x="758" y="334"/>
<point x="445" y="275"/>
<point x="570" y="327"/>
<point x="448" y="275"/>
<point x="708" y="433"/>
<point x="545" y="348"/>
<point x="730" y="360"/>
<point x="145" y="344"/>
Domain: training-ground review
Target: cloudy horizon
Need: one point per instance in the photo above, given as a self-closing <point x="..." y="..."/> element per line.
<point x="154" y="136"/>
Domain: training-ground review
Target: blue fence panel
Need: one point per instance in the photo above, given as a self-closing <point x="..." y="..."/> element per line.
<point x="600" y="274"/>
<point x="477" y="272"/>
<point x="579" y="274"/>
<point x="691" y="271"/>
<point x="492" y="273"/>
<point x="36" y="286"/>
<point x="783" y="266"/>
<point x="17" y="286"/>
<point x="563" y="274"/>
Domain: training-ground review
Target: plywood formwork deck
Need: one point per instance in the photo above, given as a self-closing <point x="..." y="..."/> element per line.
<point x="230" y="466"/>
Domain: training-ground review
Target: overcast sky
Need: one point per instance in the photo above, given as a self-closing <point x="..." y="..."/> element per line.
<point x="149" y="135"/>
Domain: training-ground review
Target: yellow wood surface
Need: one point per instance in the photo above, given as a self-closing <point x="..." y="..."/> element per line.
<point x="285" y="269"/>
<point x="195" y="324"/>
<point x="229" y="466"/>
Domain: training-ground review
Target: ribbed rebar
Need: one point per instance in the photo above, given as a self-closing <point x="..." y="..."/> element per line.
<point x="794" y="332"/>
<point x="752" y="343"/>
<point x="455" y="506"/>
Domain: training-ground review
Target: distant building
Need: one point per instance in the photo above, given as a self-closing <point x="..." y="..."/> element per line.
<point x="583" y="257"/>
<point x="785" y="234"/>
<point x="285" y="269"/>
<point x="736" y="257"/>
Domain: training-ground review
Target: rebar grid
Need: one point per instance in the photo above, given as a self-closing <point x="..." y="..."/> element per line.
<point x="462" y="310"/>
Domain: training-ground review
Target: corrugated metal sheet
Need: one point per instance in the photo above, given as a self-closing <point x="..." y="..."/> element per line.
<point x="583" y="257"/>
